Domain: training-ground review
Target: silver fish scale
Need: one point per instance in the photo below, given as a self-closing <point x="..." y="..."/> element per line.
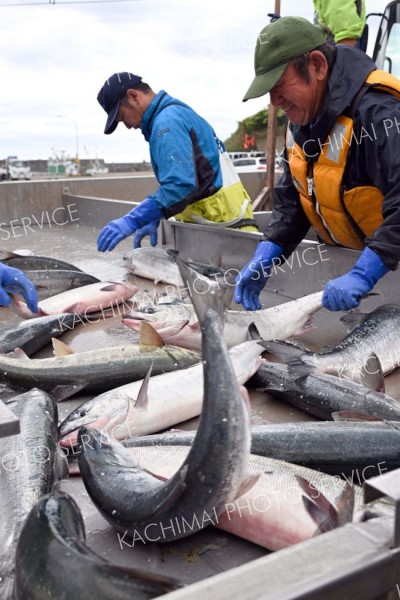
<point x="95" y="366"/>
<point x="379" y="332"/>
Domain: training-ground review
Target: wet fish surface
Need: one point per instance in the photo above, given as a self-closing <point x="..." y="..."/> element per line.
<point x="33" y="334"/>
<point x="365" y="449"/>
<point x="377" y="332"/>
<point x="33" y="262"/>
<point x="276" y="323"/>
<point x="84" y="300"/>
<point x="272" y="513"/>
<point x="49" y="282"/>
<point x="95" y="370"/>
<point x="161" y="265"/>
<point x="179" y="334"/>
<point x="53" y="560"/>
<point x="322" y="395"/>
<point x="144" y="407"/>
<point x="213" y="472"/>
<point x="27" y="472"/>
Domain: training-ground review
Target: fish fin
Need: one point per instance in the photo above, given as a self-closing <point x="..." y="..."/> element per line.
<point x="148" y="336"/>
<point x="173" y="253"/>
<point x="110" y="287"/>
<point x="306" y="327"/>
<point x="322" y="512"/>
<point x="20" y="354"/>
<point x="352" y="320"/>
<point x="155" y="475"/>
<point x="282" y="350"/>
<point x="61" y="348"/>
<point x="302" y="366"/>
<point x="6" y="254"/>
<point x="62" y="392"/>
<point x="175" y="328"/>
<point x="246" y="485"/>
<point x="60" y="466"/>
<point x="205" y="293"/>
<point x="352" y="415"/>
<point x="142" y="400"/>
<point x="253" y="333"/>
<point x="325" y="523"/>
<point x="371" y="375"/>
<point x="73" y="308"/>
<point x="345" y="505"/>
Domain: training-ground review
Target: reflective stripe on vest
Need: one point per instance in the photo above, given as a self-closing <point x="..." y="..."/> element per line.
<point x="339" y="216"/>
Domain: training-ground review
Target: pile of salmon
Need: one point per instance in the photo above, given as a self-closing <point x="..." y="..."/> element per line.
<point x="273" y="484"/>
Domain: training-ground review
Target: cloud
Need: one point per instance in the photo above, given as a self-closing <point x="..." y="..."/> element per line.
<point x="54" y="59"/>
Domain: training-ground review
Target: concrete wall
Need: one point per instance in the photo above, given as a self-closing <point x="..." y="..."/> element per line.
<point x="36" y="200"/>
<point x="33" y="199"/>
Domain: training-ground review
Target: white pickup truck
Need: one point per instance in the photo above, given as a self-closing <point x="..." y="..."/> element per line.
<point x="15" y="170"/>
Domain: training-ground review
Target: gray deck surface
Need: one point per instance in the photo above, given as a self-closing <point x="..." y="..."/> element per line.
<point x="210" y="551"/>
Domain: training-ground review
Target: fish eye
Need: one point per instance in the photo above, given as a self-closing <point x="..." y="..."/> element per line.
<point x="149" y="311"/>
<point x="83" y="413"/>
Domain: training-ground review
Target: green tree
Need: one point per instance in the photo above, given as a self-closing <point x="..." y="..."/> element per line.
<point x="256" y="125"/>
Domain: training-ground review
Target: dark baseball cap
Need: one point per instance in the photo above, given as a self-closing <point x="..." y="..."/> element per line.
<point x="278" y="43"/>
<point x="112" y="93"/>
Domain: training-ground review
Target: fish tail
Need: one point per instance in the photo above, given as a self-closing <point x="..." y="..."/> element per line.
<point x="285" y="351"/>
<point x="320" y="509"/>
<point x="206" y="294"/>
<point x="302" y="366"/>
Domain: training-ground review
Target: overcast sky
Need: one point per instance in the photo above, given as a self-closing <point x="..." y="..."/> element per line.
<point x="55" y="57"/>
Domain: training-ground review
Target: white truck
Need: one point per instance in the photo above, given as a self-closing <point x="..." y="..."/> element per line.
<point x="15" y="170"/>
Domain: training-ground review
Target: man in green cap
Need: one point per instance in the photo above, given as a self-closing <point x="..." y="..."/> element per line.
<point x="341" y="158"/>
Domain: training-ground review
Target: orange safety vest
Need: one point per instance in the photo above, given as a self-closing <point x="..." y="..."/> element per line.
<point x="339" y="216"/>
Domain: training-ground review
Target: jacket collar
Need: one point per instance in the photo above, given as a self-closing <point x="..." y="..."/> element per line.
<point x="152" y="110"/>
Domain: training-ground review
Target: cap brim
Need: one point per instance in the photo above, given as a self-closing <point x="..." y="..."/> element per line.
<point x="263" y="83"/>
<point x="112" y="124"/>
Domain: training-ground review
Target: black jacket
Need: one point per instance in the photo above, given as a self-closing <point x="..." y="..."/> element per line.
<point x="374" y="156"/>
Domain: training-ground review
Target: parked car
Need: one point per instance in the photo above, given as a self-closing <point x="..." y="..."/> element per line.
<point x="235" y="155"/>
<point x="18" y="169"/>
<point x="15" y="170"/>
<point x="250" y="164"/>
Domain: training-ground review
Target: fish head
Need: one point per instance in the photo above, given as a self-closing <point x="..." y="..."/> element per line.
<point x="98" y="448"/>
<point x="151" y="314"/>
<point x="133" y="320"/>
<point x="103" y="413"/>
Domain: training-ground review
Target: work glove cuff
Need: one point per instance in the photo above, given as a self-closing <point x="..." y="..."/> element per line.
<point x="369" y="267"/>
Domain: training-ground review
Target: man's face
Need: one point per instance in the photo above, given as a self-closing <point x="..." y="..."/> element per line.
<point x="129" y="113"/>
<point x="298" y="99"/>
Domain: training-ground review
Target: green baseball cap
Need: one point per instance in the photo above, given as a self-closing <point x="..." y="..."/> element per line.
<point x="278" y="44"/>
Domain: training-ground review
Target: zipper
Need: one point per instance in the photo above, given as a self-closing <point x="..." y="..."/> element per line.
<point x="310" y="178"/>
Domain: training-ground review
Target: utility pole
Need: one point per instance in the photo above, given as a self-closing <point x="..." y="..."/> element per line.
<point x="264" y="199"/>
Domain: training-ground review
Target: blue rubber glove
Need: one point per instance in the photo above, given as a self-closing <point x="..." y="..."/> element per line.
<point x="253" y="277"/>
<point x="151" y="230"/>
<point x="119" y="229"/>
<point x="345" y="292"/>
<point x="14" y="280"/>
